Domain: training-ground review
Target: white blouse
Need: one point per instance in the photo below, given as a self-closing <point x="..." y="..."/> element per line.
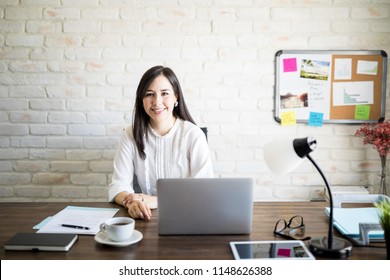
<point x="181" y="153"/>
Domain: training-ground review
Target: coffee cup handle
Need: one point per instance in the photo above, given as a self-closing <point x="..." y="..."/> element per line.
<point x="103" y="227"/>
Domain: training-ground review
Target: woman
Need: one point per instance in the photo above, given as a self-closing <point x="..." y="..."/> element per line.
<point x="164" y="142"/>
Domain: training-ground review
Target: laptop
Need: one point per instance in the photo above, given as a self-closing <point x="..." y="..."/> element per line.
<point x="192" y="206"/>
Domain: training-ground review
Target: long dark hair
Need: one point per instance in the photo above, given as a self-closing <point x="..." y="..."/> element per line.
<point x="141" y="118"/>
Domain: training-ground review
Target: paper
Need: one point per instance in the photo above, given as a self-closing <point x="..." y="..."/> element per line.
<point x="90" y="217"/>
<point x="290" y="65"/>
<point x="343" y="69"/>
<point x="353" y="93"/>
<point x="316" y="119"/>
<point x="347" y="220"/>
<point x="367" y="67"/>
<point x="288" y="118"/>
<point x="362" y="112"/>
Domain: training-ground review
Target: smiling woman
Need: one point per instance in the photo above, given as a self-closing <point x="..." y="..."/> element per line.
<point x="164" y="142"/>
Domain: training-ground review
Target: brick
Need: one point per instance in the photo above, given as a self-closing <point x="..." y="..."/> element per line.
<point x="101" y="166"/>
<point x="61" y="13"/>
<point x="100" y="14"/>
<point x="46" y="53"/>
<point x="33" y="191"/>
<point x="105" y="117"/>
<point x="47" y="129"/>
<point x="5" y="166"/>
<point x="81" y="26"/>
<point x="31" y="166"/>
<point x="83" y="154"/>
<point x="89" y="179"/>
<point x="11" y="26"/>
<point x="63" y="40"/>
<point x="121" y="27"/>
<point x="86" y="129"/>
<point x="65" y="66"/>
<point x="13" y="129"/>
<point x="69" y="166"/>
<point x="48" y="178"/>
<point x="48" y="154"/>
<point x="66" y="117"/>
<point x="102" y="40"/>
<point x="27" y="91"/>
<point x="370" y="12"/>
<point x="64" y="142"/>
<point x="66" y="91"/>
<point x="14" y="178"/>
<point x="67" y="192"/>
<point x="85" y="105"/>
<point x="23" y="13"/>
<point x="28" y="142"/>
<point x="24" y="40"/>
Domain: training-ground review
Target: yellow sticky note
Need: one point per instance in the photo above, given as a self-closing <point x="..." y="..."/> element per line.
<point x="362" y="112"/>
<point x="288" y="118"/>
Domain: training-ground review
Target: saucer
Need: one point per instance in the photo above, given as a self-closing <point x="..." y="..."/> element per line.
<point x="103" y="238"/>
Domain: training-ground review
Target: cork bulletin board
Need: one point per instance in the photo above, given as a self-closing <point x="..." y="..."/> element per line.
<point x="330" y="86"/>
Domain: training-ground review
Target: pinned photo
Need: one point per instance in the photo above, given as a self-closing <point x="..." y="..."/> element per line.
<point x="314" y="69"/>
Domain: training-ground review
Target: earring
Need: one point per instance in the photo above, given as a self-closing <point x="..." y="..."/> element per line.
<point x="176" y="103"/>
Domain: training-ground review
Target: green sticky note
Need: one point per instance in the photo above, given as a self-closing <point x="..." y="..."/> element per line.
<point x="362" y="112"/>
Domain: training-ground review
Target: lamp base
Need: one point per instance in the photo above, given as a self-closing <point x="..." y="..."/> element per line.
<point x="341" y="248"/>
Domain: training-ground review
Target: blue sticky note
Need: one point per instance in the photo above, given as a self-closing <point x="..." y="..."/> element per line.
<point x="316" y="119"/>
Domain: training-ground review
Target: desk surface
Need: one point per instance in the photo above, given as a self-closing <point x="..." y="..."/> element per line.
<point x="21" y="217"/>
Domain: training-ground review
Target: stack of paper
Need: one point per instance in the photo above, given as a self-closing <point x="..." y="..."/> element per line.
<point x="347" y="220"/>
<point x="79" y="220"/>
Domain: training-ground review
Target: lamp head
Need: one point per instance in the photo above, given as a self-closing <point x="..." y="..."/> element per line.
<point x="283" y="156"/>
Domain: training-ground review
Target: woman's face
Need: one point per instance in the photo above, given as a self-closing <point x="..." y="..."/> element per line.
<point x="159" y="101"/>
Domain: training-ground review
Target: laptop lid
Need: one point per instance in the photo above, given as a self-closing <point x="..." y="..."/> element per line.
<point x="205" y="206"/>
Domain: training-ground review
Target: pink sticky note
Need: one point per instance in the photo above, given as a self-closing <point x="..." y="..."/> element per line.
<point x="290" y="65"/>
<point x="284" y="252"/>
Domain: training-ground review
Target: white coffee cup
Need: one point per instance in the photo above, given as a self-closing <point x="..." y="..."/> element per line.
<point x="119" y="228"/>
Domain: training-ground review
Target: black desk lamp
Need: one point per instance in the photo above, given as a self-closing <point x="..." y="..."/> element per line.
<point x="283" y="156"/>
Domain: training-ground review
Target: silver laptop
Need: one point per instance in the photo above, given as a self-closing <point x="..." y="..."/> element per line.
<point x="205" y="206"/>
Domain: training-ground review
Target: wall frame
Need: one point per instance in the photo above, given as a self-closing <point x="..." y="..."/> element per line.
<point x="339" y="86"/>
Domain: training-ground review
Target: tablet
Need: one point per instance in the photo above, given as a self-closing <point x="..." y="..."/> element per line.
<point x="291" y="249"/>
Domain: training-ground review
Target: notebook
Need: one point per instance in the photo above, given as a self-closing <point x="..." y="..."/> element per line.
<point x="189" y="206"/>
<point x="41" y="241"/>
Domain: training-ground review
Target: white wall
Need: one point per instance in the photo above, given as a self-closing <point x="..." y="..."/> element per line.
<point x="69" y="70"/>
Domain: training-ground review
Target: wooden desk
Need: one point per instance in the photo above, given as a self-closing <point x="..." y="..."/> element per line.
<point x="21" y="217"/>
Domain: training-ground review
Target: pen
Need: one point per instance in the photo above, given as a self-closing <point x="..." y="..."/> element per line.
<point x="74" y="226"/>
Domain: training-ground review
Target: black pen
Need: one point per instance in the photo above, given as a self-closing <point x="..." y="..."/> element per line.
<point x="74" y="226"/>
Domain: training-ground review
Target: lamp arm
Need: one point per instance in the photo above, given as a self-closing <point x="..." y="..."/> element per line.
<point x="330" y="230"/>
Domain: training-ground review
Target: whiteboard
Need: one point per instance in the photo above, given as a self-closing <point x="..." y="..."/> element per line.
<point x="337" y="86"/>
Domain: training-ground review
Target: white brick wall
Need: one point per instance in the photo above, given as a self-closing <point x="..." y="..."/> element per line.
<point x="69" y="70"/>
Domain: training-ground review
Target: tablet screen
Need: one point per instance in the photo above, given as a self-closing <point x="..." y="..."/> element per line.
<point x="270" y="250"/>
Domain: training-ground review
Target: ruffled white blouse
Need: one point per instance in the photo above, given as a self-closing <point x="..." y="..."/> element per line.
<point x="181" y="153"/>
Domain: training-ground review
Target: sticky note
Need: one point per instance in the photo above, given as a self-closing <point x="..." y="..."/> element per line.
<point x="288" y="118"/>
<point x="362" y="112"/>
<point x="283" y="252"/>
<point x="316" y="119"/>
<point x="290" y="65"/>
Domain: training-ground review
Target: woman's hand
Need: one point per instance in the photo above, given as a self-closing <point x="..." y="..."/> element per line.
<point x="139" y="209"/>
<point x="140" y="205"/>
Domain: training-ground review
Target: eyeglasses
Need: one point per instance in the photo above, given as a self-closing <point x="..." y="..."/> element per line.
<point x="294" y="229"/>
